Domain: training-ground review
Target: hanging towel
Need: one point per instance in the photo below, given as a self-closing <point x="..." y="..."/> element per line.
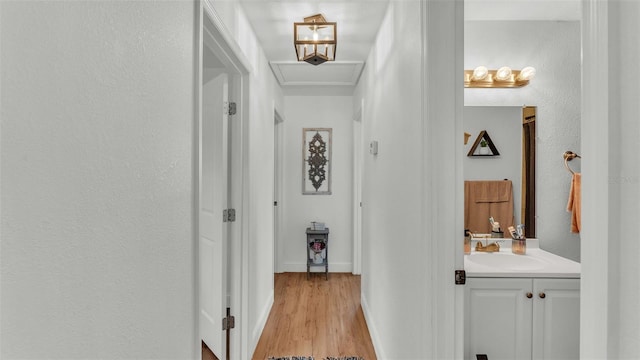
<point x="575" y="202"/>
<point x="487" y="198"/>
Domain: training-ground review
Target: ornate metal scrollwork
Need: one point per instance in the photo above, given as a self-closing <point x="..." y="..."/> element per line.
<point x="317" y="160"/>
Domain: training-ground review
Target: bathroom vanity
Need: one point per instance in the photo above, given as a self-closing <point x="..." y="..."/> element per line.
<point x="522" y="306"/>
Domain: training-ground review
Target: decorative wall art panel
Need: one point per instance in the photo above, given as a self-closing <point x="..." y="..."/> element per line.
<point x="316" y="161"/>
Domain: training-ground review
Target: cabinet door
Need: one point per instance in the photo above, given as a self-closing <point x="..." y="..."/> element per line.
<point x="498" y="318"/>
<point x="556" y="319"/>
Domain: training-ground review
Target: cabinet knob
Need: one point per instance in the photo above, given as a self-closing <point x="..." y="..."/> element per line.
<point x="542" y="295"/>
<point x="529" y="295"/>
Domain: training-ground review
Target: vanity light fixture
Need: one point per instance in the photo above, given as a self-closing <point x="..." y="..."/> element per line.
<point x="315" y="40"/>
<point x="504" y="77"/>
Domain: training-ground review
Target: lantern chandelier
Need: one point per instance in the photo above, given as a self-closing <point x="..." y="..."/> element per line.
<point x="315" y="40"/>
<point x="481" y="77"/>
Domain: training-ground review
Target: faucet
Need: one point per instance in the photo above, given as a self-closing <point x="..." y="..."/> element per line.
<point x="493" y="247"/>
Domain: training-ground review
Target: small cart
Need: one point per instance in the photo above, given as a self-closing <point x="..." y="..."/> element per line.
<point x="318" y="250"/>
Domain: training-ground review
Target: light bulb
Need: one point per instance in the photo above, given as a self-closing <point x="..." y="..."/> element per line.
<point x="504" y="73"/>
<point x="480" y="73"/>
<point x="315" y="35"/>
<point x="527" y="73"/>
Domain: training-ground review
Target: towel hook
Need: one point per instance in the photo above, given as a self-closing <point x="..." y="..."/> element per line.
<point x="568" y="156"/>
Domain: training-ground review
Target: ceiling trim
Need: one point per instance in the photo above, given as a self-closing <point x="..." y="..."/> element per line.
<point x="288" y="73"/>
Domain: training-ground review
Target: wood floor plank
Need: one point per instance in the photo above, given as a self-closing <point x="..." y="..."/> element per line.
<point x="315" y="317"/>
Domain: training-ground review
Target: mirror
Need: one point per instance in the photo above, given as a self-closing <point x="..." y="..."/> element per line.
<point x="512" y="131"/>
<point x="553" y="47"/>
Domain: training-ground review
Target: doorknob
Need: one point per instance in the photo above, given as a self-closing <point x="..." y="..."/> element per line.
<point x="529" y="295"/>
<point x="542" y="295"/>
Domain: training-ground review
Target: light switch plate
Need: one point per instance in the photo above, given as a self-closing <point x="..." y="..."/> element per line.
<point x="373" y="147"/>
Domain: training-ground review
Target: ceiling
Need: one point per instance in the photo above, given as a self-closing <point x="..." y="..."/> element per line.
<point x="357" y="26"/>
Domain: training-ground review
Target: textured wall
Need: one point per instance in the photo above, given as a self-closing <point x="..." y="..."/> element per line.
<point x="553" y="48"/>
<point x="97" y="114"/>
<point x="392" y="260"/>
<point x="299" y="210"/>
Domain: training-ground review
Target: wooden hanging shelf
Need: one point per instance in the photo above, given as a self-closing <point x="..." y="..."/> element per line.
<point x="483" y="135"/>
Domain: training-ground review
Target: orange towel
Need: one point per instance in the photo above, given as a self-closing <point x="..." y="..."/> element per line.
<point x="487" y="198"/>
<point x="575" y="202"/>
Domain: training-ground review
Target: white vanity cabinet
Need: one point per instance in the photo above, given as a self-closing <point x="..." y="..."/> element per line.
<point x="522" y="318"/>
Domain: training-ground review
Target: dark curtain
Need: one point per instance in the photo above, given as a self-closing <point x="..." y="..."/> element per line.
<point x="529" y="175"/>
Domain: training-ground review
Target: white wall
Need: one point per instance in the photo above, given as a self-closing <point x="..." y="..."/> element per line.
<point x="97" y="253"/>
<point x="261" y="242"/>
<point x="504" y="126"/>
<point x="553" y="48"/>
<point x="97" y="179"/>
<point x="392" y="241"/>
<point x="334" y="210"/>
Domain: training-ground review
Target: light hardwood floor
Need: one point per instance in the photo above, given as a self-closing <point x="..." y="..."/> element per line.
<point x="316" y="318"/>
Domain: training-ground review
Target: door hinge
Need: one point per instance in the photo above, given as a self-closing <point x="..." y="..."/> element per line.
<point x="461" y="277"/>
<point x="229" y="215"/>
<point x="228" y="322"/>
<point x="232" y="108"/>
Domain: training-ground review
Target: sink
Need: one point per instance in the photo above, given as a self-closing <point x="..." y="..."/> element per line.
<point x="508" y="260"/>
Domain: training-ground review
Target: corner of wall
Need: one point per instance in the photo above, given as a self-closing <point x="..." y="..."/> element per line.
<point x="373" y="330"/>
<point x="260" y="324"/>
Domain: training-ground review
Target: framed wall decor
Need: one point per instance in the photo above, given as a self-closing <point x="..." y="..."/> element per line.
<point x="316" y="161"/>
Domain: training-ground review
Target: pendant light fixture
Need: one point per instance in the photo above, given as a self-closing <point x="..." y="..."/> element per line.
<point x="315" y="40"/>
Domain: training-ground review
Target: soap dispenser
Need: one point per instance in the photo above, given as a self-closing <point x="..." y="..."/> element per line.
<point x="467" y="242"/>
<point x="496" y="232"/>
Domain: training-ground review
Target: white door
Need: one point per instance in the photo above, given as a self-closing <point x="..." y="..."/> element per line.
<point x="556" y="319"/>
<point x="498" y="318"/>
<point x="213" y="196"/>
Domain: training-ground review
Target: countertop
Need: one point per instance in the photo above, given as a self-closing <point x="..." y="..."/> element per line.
<point x="535" y="263"/>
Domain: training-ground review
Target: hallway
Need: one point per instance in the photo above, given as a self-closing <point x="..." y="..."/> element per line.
<point x="316" y="318"/>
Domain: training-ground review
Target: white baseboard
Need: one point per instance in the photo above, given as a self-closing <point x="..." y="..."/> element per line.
<point x="302" y="267"/>
<point x="262" y="321"/>
<point x="373" y="331"/>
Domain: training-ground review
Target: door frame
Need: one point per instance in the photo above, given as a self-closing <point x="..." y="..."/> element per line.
<point x="442" y="178"/>
<point x="278" y="153"/>
<point x="358" y="159"/>
<point x="595" y="253"/>
<point x="212" y="32"/>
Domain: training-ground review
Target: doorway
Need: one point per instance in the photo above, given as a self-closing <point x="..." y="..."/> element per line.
<point x="220" y="165"/>
<point x="277" y="189"/>
<point x="213" y="197"/>
<point x="357" y="189"/>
